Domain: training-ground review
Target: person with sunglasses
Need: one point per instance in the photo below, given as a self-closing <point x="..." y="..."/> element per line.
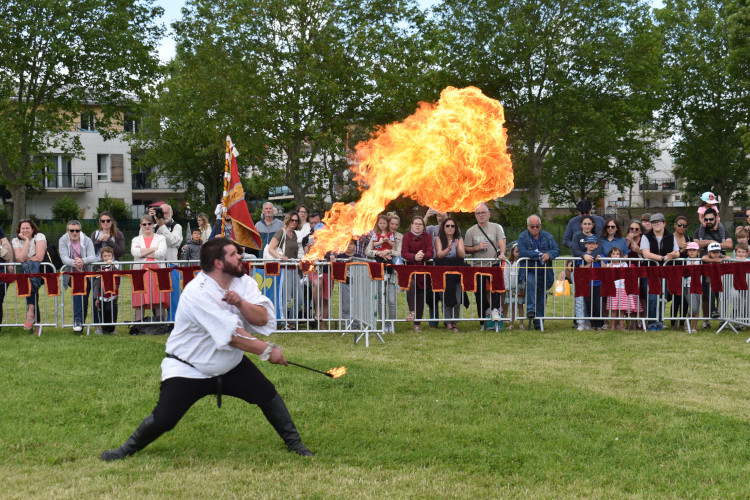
<point x="680" y="237"/>
<point x="107" y="235"/>
<point x="284" y="246"/>
<point x="29" y="248"/>
<point x="77" y="252"/>
<point x="680" y="302"/>
<point x="541" y="249"/>
<point x="611" y="236"/>
<point x="711" y="231"/>
<point x="149" y="247"/>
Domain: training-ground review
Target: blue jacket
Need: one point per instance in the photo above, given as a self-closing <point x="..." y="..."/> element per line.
<point x="547" y="244"/>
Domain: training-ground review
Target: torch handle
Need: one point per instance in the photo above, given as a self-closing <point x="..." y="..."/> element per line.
<point x="308" y="368"/>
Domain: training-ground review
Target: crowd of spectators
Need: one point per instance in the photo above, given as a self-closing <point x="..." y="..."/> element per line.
<point x="527" y="262"/>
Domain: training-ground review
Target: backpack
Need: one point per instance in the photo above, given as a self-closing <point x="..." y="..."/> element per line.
<point x="53" y="256"/>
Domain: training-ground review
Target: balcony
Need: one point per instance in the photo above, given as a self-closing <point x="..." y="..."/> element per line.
<point x="659" y="185"/>
<point x="71" y="182"/>
<point x="142" y="182"/>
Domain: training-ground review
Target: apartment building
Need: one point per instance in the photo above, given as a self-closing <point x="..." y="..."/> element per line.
<point x="105" y="168"/>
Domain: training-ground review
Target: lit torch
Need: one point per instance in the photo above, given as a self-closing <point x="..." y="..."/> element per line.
<point x="333" y="372"/>
<point x="451" y="155"/>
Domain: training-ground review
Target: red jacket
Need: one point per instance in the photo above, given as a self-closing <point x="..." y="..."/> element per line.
<point x="413" y="244"/>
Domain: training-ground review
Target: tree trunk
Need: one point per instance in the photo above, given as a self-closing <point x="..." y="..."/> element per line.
<point x="726" y="212"/>
<point x="19" y="207"/>
<point x="535" y="192"/>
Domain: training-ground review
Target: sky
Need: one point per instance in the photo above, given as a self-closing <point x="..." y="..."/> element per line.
<point x="172" y="13"/>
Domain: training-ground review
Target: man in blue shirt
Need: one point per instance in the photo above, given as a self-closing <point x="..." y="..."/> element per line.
<point x="540" y="248"/>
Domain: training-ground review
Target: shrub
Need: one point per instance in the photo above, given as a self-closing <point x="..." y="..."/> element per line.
<point x="118" y="208"/>
<point x="65" y="209"/>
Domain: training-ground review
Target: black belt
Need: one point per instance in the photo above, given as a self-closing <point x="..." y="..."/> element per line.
<point x="218" y="378"/>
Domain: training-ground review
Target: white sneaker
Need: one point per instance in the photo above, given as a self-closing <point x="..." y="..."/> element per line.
<point x="495" y="315"/>
<point x="581" y="328"/>
<point x="98" y="330"/>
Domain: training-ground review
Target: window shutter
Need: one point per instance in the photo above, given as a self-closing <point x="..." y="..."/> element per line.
<point x="116" y="168"/>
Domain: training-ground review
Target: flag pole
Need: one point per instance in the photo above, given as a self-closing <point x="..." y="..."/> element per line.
<point x="226" y="184"/>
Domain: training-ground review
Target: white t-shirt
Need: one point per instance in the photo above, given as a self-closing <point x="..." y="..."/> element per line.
<point x="18" y="243"/>
<point x="204" y="325"/>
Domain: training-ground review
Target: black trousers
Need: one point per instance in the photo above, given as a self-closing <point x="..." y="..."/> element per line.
<point x="178" y="394"/>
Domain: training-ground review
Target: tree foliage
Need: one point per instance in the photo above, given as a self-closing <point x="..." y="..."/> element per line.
<point x="65" y="209"/>
<point x="118" y="208"/>
<point x="57" y="56"/>
<point x="706" y="105"/>
<point x="294" y="83"/>
<point x="576" y="78"/>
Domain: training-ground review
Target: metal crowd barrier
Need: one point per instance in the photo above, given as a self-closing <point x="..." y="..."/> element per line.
<point x="14" y="308"/>
<point x="314" y="302"/>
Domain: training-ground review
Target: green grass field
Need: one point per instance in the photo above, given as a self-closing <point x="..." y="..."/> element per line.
<point x="436" y="414"/>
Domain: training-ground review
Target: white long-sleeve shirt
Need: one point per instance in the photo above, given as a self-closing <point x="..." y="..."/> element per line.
<point x="204" y="325"/>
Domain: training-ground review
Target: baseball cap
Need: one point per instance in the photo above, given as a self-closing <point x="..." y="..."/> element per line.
<point x="714" y="247"/>
<point x="693" y="246"/>
<point x="584" y="206"/>
<point x="591" y="239"/>
<point x="657" y="217"/>
<point x="709" y="198"/>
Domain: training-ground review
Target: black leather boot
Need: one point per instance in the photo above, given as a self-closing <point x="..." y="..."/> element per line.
<point x="143" y="435"/>
<point x="277" y="414"/>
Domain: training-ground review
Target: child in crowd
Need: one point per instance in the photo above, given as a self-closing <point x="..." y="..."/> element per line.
<point x="515" y="285"/>
<point x="621" y="302"/>
<point x="105" y="302"/>
<point x="740" y="298"/>
<point x="692" y="300"/>
<point x="713" y="254"/>
<point x="708" y="200"/>
<point x="192" y="250"/>
<point x="593" y="304"/>
<point x="741" y="235"/>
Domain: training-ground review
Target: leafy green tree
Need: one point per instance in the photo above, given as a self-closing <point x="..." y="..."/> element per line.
<point x="294" y="83"/>
<point x="118" y="208"/>
<point x="706" y="106"/>
<point x="547" y="62"/>
<point x="65" y="209"/>
<point x="738" y="23"/>
<point x="56" y="56"/>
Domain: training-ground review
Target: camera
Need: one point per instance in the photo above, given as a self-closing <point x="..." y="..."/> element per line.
<point x="158" y="214"/>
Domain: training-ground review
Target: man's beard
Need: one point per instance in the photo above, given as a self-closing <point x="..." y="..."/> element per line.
<point x="237" y="272"/>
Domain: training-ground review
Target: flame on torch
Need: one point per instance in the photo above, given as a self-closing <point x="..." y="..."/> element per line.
<point x="337" y="372"/>
<point x="451" y="156"/>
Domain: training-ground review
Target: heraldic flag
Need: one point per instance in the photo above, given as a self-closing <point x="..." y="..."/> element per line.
<point x="243" y="229"/>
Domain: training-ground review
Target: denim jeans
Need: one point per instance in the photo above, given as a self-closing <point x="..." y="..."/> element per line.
<point x="654" y="312"/>
<point x="536" y="294"/>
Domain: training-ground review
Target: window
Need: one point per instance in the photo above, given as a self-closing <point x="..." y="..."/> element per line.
<point x="58" y="171"/>
<point x="103" y="166"/>
<point x="131" y="123"/>
<point x="88" y="121"/>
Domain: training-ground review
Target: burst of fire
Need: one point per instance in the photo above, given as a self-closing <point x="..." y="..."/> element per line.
<point x="337" y="372"/>
<point x="451" y="156"/>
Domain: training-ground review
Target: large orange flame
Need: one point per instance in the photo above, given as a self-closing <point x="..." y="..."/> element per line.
<point x="451" y="156"/>
<point x="337" y="372"/>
